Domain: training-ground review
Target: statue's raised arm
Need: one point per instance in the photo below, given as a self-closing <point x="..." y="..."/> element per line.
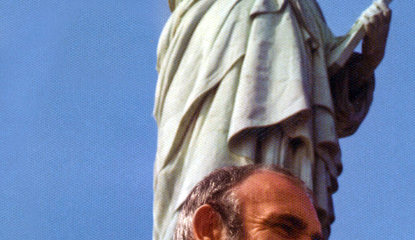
<point x="373" y="27"/>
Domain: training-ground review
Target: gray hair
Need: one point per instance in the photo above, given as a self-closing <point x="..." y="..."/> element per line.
<point x="216" y="189"/>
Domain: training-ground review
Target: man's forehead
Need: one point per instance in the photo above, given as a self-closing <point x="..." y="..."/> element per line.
<point x="272" y="187"/>
<point x="266" y="180"/>
<point x="270" y="195"/>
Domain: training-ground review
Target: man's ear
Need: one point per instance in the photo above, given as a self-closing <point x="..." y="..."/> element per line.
<point x="207" y="224"/>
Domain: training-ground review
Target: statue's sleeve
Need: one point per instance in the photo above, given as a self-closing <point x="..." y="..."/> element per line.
<point x="352" y="92"/>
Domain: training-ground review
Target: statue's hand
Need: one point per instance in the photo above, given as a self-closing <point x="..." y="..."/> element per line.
<point x="376" y="20"/>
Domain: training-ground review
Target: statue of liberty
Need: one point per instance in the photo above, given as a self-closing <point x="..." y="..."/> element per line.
<point x="257" y="81"/>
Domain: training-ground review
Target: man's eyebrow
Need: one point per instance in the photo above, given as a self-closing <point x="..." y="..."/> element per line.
<point x="293" y="220"/>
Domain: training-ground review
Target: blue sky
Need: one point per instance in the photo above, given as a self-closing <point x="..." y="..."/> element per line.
<point x="77" y="137"/>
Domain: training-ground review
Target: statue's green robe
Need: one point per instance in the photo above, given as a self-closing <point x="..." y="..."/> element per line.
<point x="247" y="81"/>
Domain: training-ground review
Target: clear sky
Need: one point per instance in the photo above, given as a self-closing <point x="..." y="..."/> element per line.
<point x="77" y="137"/>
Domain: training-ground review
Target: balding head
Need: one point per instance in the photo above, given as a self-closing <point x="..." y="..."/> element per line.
<point x="216" y="202"/>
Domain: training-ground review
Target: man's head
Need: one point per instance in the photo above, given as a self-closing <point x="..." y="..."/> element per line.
<point x="249" y="202"/>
